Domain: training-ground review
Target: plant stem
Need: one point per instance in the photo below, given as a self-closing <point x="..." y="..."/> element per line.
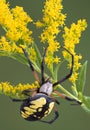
<point x="67" y="93"/>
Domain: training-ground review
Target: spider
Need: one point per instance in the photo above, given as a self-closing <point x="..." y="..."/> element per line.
<point x="41" y="102"/>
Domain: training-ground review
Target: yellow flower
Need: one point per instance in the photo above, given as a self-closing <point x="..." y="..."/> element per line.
<point x="16" y="91"/>
<point x="7" y="47"/>
<point x="71" y="38"/>
<point x="17" y="36"/>
<point x="72" y="35"/>
<point x="52" y="20"/>
<point x="56" y="60"/>
<point x="5" y="15"/>
<point x="14" y="22"/>
<point x="54" y="46"/>
<point x="77" y="65"/>
<point x="49" y="60"/>
<point x="38" y="24"/>
<point x="33" y="55"/>
<point x="74" y="77"/>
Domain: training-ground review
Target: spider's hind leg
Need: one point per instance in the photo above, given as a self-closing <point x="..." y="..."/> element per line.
<point x="17" y="100"/>
<point x="68" y="98"/>
<point x="54" y="118"/>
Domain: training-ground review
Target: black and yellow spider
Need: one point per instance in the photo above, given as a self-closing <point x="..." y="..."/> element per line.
<point x="41" y="102"/>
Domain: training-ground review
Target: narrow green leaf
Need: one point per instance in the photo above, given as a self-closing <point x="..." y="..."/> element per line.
<point x="56" y="71"/>
<point x="86" y="103"/>
<point x="82" y="78"/>
<point x="38" y="54"/>
<point x="4" y="53"/>
<point x="17" y="56"/>
<point x="21" y="58"/>
<point x="74" y="90"/>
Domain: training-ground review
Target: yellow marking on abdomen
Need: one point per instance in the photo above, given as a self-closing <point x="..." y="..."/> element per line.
<point x="40" y="109"/>
<point x="29" y="110"/>
<point x="38" y="103"/>
<point x="24" y="115"/>
<point x="51" y="105"/>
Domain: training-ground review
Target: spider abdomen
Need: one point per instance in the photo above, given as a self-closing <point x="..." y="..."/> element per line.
<point x="37" y="107"/>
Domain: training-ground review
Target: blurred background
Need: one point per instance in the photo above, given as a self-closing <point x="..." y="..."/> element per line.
<point x="71" y="117"/>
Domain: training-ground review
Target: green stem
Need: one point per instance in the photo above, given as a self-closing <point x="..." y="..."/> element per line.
<point x="39" y="71"/>
<point x="67" y="93"/>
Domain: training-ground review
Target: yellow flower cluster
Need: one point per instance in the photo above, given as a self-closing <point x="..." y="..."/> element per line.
<point x="52" y="20"/>
<point x="14" y="21"/>
<point x="16" y="91"/>
<point x="71" y="38"/>
<point x="5" y="46"/>
<point x="32" y="54"/>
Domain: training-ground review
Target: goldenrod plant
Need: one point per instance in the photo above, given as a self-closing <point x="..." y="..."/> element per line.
<point x="14" y="21"/>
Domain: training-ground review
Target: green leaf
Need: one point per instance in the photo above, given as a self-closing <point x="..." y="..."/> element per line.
<point x="17" y="56"/>
<point x="38" y="54"/>
<point x="56" y="71"/>
<point x="86" y="103"/>
<point x="82" y="78"/>
<point x="21" y="58"/>
<point x="74" y="90"/>
<point x="4" y="53"/>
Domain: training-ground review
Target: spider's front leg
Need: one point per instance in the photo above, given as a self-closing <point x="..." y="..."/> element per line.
<point x="69" y="74"/>
<point x="31" y="66"/>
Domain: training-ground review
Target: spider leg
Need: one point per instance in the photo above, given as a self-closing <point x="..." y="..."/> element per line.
<point x="17" y="100"/>
<point x="31" y="66"/>
<point x="27" y="91"/>
<point x="55" y="100"/>
<point x="67" y="98"/>
<point x="55" y="117"/>
<point x="70" y="73"/>
<point x="42" y="67"/>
